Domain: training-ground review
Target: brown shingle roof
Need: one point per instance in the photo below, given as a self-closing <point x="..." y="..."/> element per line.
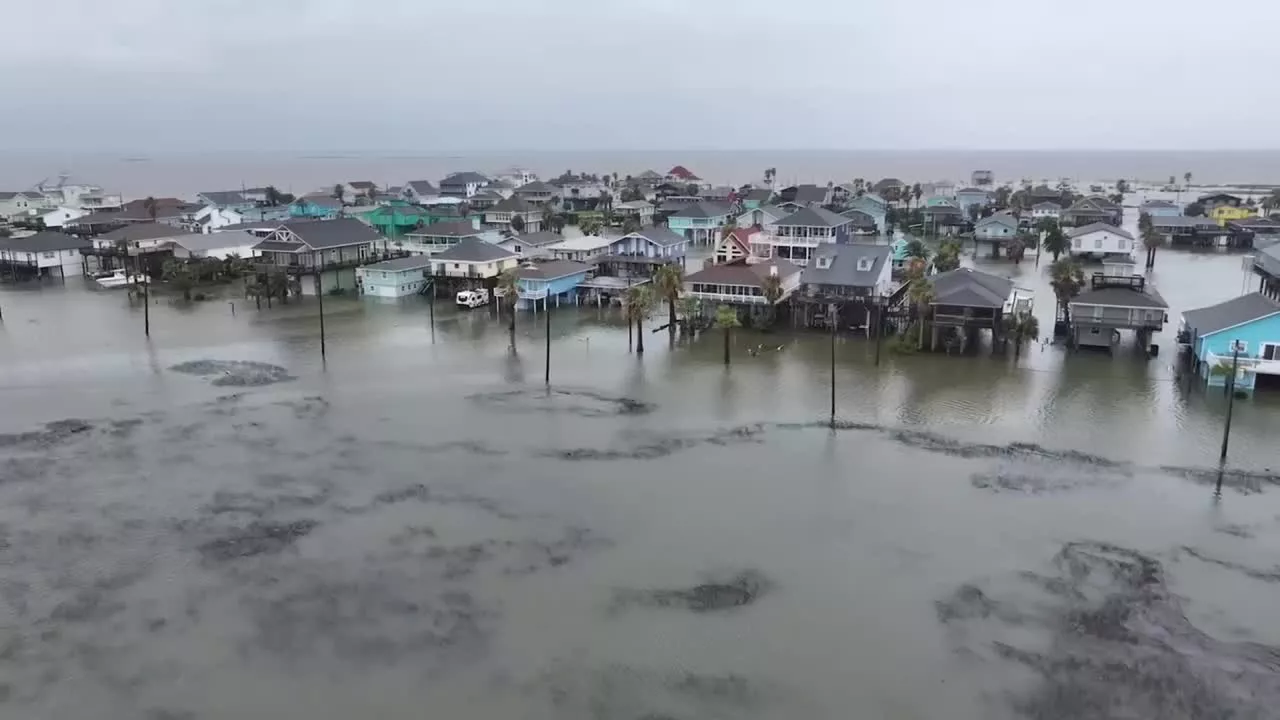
<point x="741" y="274"/>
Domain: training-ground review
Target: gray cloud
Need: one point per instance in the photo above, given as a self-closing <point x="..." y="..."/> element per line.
<point x="433" y="75"/>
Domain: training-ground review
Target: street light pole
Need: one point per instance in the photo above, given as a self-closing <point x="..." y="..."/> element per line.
<point x="831" y="317"/>
<point x="547" y="312"/>
<point x="1231" y="401"/>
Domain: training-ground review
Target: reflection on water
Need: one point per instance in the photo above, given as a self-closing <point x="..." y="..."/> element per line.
<point x="214" y="525"/>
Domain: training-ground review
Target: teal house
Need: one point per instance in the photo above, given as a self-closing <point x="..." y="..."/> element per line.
<point x="395" y="278"/>
<point x="700" y="222"/>
<point x="873" y="205"/>
<point x="1249" y="324"/>
<point x="315" y="207"/>
<point x="547" y="283"/>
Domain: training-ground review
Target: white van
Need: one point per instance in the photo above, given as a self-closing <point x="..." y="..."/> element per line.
<point x="473" y="298"/>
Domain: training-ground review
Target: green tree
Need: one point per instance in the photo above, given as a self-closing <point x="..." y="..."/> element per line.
<point x="920" y="291"/>
<point x="1021" y="328"/>
<point x="1067" y="278"/>
<point x="632" y="194"/>
<point x="589" y="226"/>
<point x="152" y="208"/>
<point x="727" y="320"/>
<point x="690" y="308"/>
<point x="338" y="193"/>
<point x="273" y="196"/>
<point x="1186" y="177"/>
<point x="947" y="258"/>
<point x="548" y="216"/>
<point x="1002" y="195"/>
<point x="371" y="194"/>
<point x="668" y="281"/>
<point x="916" y="192"/>
<point x="771" y="288"/>
<point x="1122" y="187"/>
<point x="1194" y="209"/>
<point x="1144" y="222"/>
<point x="630" y="225"/>
<point x="1054" y="239"/>
<point x="517" y="223"/>
<point x="509" y="288"/>
<point x="179" y="276"/>
<point x="639" y="305"/>
<point x="917" y="249"/>
<point x="1016" y="249"/>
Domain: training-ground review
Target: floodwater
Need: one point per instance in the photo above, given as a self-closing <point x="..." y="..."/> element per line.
<point x="214" y="524"/>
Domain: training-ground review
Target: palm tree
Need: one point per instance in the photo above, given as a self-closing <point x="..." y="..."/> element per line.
<point x="771" y="288"/>
<point x="630" y="225"/>
<point x="1022" y="327"/>
<point x="1186" y="177"/>
<point x="948" y="257"/>
<point x="1055" y="241"/>
<point x="371" y="194"/>
<point x="548" y="216"/>
<point x="1067" y="278"/>
<point x="509" y="289"/>
<point x="916" y="192"/>
<point x="589" y="226"/>
<point x="689" y="309"/>
<point x="149" y="204"/>
<point x="639" y="305"/>
<point x="1151" y="240"/>
<point x="921" y="294"/>
<point x="179" y="276"/>
<point x="668" y="281"/>
<point x="727" y="320"/>
<point x="338" y="192"/>
<point x="916" y="249"/>
<point x="273" y="196"/>
<point x="1016" y="248"/>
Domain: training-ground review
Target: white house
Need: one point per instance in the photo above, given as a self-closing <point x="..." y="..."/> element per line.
<point x="1001" y="226"/>
<point x="1100" y="239"/>
<point x="762" y="216"/>
<point x="532" y="245"/>
<point x="736" y="246"/>
<point x="582" y="248"/>
<point x="140" y="238"/>
<point x="463" y="184"/>
<point x="473" y="258"/>
<point x="742" y="284"/>
<point x="21" y="204"/>
<point x="221" y="245"/>
<point x="49" y="253"/>
<point x="638" y="209"/>
<point x="395" y="278"/>
<point x="61" y="215"/>
<point x="1046" y="209"/>
<point x="419" y="191"/>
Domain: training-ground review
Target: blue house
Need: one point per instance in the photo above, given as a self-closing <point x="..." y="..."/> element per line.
<point x="700" y="222"/>
<point x="1161" y="208"/>
<point x="316" y="207"/>
<point x="972" y="196"/>
<point x="1250" y="323"/>
<point x="548" y="282"/>
<point x="872" y="205"/>
<point x="655" y="243"/>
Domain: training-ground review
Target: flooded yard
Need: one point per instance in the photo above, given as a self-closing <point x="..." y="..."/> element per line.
<point x="214" y="524"/>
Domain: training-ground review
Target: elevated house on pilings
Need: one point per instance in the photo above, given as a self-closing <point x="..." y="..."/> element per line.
<point x="1180" y="230"/>
<point x="1254" y="232"/>
<point x="741" y="286"/>
<point x="966" y="302"/>
<point x="1117" y="300"/>
<point x="854" y="279"/>
<point x="1266" y="265"/>
<point x="319" y="254"/>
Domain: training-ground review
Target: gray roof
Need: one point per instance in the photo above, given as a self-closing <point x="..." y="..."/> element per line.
<point x="844" y="265"/>
<point x="702" y="210"/>
<point x="537" y="186"/>
<point x="1231" y="313"/>
<point x="361" y="184"/>
<point x="811" y="194"/>
<point x="860" y="218"/>
<point x="1268" y="259"/>
<point x="461" y="228"/>
<point x="250" y="226"/>
<point x="278" y="246"/>
<point x="413" y="262"/>
<point x="422" y="187"/>
<point x="46" y="241"/>
<point x="144" y="231"/>
<point x="943" y="210"/>
<point x="1046" y="205"/>
<point x="1094" y="227"/>
<point x="537" y="239"/>
<point x="473" y="250"/>
<point x="998" y="219"/>
<point x="1119" y="297"/>
<point x="774" y="210"/>
<point x="970" y="288"/>
<point x="513" y="204"/>
<point x="463" y="178"/>
<point x="887" y="183"/>
<point x="1088" y="207"/>
<point x="551" y="269"/>
<point x="215" y="241"/>
<point x="972" y="191"/>
<point x="223" y="197"/>
<point x="814" y="217"/>
<point x="1159" y="204"/>
<point x="1182" y="221"/>
<point x="8" y="195"/>
<point x="324" y="201"/>
<point x="662" y="236"/>
<point x="759" y="194"/>
<point x="322" y="234"/>
<point x="742" y="274"/>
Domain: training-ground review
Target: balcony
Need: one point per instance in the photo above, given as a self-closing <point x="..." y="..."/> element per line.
<point x="730" y="298"/>
<point x="532" y="294"/>
<point x="1248" y="363"/>
<point x="468" y="273"/>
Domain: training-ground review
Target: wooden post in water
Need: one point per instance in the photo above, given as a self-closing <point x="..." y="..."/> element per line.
<point x="831" y="317"/>
<point x="432" y="303"/>
<point x="547" y="312"/>
<point x="146" y="306"/>
<point x="320" y="299"/>
<point x="1231" y="401"/>
<point x="879" y="325"/>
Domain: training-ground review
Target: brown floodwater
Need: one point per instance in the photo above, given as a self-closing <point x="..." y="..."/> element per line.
<point x="214" y="524"/>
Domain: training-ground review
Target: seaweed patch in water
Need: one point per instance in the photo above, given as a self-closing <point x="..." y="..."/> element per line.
<point x="584" y="403"/>
<point x="54" y="433"/>
<point x="735" y="591"/>
<point x="257" y="539"/>
<point x="235" y="373"/>
<point x="660" y="447"/>
<point x="1269" y="576"/>
<point x="1120" y="644"/>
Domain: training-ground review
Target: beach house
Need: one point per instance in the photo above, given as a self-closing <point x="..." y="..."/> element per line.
<point x="419" y="191"/>
<point x="970" y="197"/>
<point x="547" y="283"/>
<point x="996" y="231"/>
<point x="395" y="278"/>
<point x="473" y="260"/>
<point x="966" y="301"/>
<point x="531" y="246"/>
<point x="1160" y="208"/>
<point x="795" y="237"/>
<point x="1117" y="300"/>
<point x="1248" y="327"/>
<point x="699" y="222"/>
<point x="855" y="275"/>
<point x="741" y="283"/>
<point x="315" y="207"/>
<point x="874" y="206"/>
<point x="15" y="205"/>
<point x="463" y="184"/>
<point x="1046" y="210"/>
<point x="433" y="238"/>
<point x="1224" y="214"/>
<point x="502" y="215"/>
<point x="1099" y="240"/>
<point x="321" y="254"/>
<point x="219" y="245"/>
<point x="44" y="254"/>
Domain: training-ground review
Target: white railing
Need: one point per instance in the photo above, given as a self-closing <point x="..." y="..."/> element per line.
<point x="532" y="294"/>
<point x="783" y="240"/>
<point x="727" y="297"/>
<point x="446" y="271"/>
<point x="1257" y="365"/>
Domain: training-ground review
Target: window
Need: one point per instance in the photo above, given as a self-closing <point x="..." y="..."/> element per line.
<point x="1076" y="243"/>
<point x="1270" y="351"/>
<point x="864" y="264"/>
<point x="1097" y="244"/>
<point x="1124" y="244"/>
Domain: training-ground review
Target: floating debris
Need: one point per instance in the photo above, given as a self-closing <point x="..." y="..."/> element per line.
<point x="257" y="539"/>
<point x="584" y="403"/>
<point x="738" y="590"/>
<point x="235" y="373"/>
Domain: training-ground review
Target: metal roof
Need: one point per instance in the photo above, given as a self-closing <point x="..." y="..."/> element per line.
<point x="473" y="250"/>
<point x="1229" y="314"/>
<point x="401" y="264"/>
<point x="970" y="288"/>
<point x="813" y="217"/>
<point x="323" y="234"/>
<point x="46" y="241"/>
<point x="844" y="267"/>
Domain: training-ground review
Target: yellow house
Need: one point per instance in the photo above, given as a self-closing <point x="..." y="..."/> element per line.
<point x="1225" y="213"/>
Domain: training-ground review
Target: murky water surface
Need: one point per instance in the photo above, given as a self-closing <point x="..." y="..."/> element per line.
<point x="214" y="525"/>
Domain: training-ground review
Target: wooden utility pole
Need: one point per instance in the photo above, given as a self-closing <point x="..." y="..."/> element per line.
<point x="831" y="317"/>
<point x="547" y="312"/>
<point x="320" y="299"/>
<point x="1231" y="401"/>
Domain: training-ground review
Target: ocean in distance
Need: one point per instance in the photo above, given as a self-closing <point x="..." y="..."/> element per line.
<point x="139" y="174"/>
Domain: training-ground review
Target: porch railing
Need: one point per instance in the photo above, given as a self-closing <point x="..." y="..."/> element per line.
<point x="1247" y="362"/>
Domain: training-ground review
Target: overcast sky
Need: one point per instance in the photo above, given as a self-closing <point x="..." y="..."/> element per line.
<point x="433" y="75"/>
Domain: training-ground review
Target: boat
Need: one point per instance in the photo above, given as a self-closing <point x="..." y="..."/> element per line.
<point x="473" y="298"/>
<point x="117" y="279"/>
